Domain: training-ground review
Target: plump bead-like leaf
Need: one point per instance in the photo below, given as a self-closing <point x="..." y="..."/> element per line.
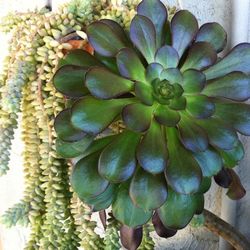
<point x="234" y="86"/>
<point x="184" y="27"/>
<point x="137" y="116"/>
<point x="79" y="57"/>
<point x="167" y="56"/>
<point x="235" y="114"/>
<point x="209" y="161"/>
<point x="183" y="173"/>
<point x="130" y="65"/>
<point x="236" y="60"/>
<point x="64" y="128"/>
<point x="160" y="229"/>
<point x="93" y="116"/>
<point x="85" y="178"/>
<point x="219" y="133"/>
<point x="126" y="212"/>
<point x="193" y="81"/>
<point x="173" y="75"/>
<point x="69" y="80"/>
<point x="214" y="34"/>
<point x="200" y="56"/>
<point x="192" y="136"/>
<point x="223" y="178"/>
<point x="143" y="35"/>
<point x="152" y="151"/>
<point x="131" y="238"/>
<point x="153" y="71"/>
<point x="178" y="210"/>
<point x="117" y="161"/>
<point x="143" y="91"/>
<point x="73" y="149"/>
<point x="100" y="34"/>
<point x="157" y="13"/>
<point x="148" y="191"/>
<point x="104" y="84"/>
<point x="166" y="116"/>
<point x="103" y="200"/>
<point x="205" y="185"/>
<point x="200" y="106"/>
<point x="233" y="156"/>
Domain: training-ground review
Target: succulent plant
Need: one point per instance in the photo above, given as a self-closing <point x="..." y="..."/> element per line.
<point x="181" y="107"/>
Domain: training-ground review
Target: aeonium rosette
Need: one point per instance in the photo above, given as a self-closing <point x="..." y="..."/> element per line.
<point x="181" y="107"/>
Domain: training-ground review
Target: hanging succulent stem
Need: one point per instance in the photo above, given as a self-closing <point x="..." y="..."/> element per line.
<point x="221" y="228"/>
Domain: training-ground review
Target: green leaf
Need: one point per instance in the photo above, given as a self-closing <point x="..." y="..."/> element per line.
<point x="205" y="185"/>
<point x="100" y="34"/>
<point x="126" y="212"/>
<point x="235" y="114"/>
<point x="219" y="133"/>
<point x="117" y="161"/>
<point x="210" y="162"/>
<point x="167" y="56"/>
<point x="234" y="86"/>
<point x="85" y="179"/>
<point x="143" y="91"/>
<point x="192" y="136"/>
<point x="130" y="65"/>
<point x="104" y="84"/>
<point x="98" y="144"/>
<point x="236" y="60"/>
<point x="137" y="116"/>
<point x="93" y="116"/>
<point x="200" y="106"/>
<point x="73" y="149"/>
<point x="153" y="71"/>
<point x="166" y="116"/>
<point x="184" y="27"/>
<point x="233" y="156"/>
<point x="193" y="81"/>
<point x="69" y="80"/>
<point x="157" y="13"/>
<point x="214" y="34"/>
<point x="109" y="62"/>
<point x="148" y="191"/>
<point x="152" y="151"/>
<point x="200" y="56"/>
<point x="64" y="128"/>
<point x="103" y="200"/>
<point x="178" y="210"/>
<point x="183" y="173"/>
<point x="79" y="57"/>
<point x="143" y="35"/>
<point x="200" y="202"/>
<point x="178" y="103"/>
<point x="173" y="75"/>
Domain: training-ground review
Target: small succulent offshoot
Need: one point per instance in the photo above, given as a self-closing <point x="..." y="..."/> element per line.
<point x="181" y="107"/>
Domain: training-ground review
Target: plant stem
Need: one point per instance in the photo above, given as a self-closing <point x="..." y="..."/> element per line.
<point x="218" y="226"/>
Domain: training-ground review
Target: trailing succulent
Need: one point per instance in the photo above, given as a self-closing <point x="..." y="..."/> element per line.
<point x="179" y="107"/>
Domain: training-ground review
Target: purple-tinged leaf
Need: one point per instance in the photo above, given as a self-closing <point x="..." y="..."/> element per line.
<point x="200" y="56"/>
<point x="160" y="229"/>
<point x="130" y="65"/>
<point x="131" y="238"/>
<point x="143" y="35"/>
<point x="173" y="75"/>
<point x="236" y="60"/>
<point x="166" y="116"/>
<point x="214" y="34"/>
<point x="157" y="13"/>
<point x="223" y="178"/>
<point x="148" y="191"/>
<point x="144" y="91"/>
<point x="184" y="27"/>
<point x="234" y="86"/>
<point x="167" y="56"/>
<point x="153" y="71"/>
<point x="104" y="84"/>
<point x="103" y="218"/>
<point x="117" y="161"/>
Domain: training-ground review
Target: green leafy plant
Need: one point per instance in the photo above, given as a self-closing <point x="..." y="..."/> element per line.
<point x="181" y="107"/>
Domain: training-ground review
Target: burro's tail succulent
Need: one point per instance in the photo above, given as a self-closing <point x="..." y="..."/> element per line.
<point x="181" y="107"/>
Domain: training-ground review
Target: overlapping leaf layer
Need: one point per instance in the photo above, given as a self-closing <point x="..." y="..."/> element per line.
<point x="181" y="107"/>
